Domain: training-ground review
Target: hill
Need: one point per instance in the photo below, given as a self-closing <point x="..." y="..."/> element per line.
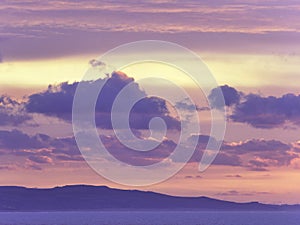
<point x="87" y="198"/>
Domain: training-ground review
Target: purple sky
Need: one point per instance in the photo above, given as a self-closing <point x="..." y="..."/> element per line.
<point x="251" y="47"/>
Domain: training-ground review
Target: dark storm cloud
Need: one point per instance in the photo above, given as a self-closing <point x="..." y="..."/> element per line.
<point x="57" y="101"/>
<point x="12" y="112"/>
<point x="259" y="111"/>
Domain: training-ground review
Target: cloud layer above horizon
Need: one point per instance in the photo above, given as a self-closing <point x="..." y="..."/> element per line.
<point x="63" y="27"/>
<point x="154" y="16"/>
<point x="41" y="149"/>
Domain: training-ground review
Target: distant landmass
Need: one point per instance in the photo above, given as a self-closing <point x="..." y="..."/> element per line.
<point x="97" y="198"/>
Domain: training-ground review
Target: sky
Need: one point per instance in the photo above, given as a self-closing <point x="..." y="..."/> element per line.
<point x="252" y="49"/>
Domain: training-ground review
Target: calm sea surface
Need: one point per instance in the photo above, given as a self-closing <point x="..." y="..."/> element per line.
<point x="150" y="218"/>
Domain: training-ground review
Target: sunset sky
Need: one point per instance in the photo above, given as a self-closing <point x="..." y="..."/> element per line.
<point x="251" y="47"/>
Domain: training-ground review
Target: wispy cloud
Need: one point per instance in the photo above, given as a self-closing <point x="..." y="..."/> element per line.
<point x="204" y="16"/>
<point x="63" y="27"/>
<point x="239" y="193"/>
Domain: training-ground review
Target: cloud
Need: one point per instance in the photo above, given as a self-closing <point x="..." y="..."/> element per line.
<point x="137" y="158"/>
<point x="186" y="105"/>
<point x="227" y="160"/>
<point x="12" y="112"/>
<point x="65" y="146"/>
<point x="193" y="177"/>
<point x="54" y="44"/>
<point x="96" y="63"/>
<point x="259" y="154"/>
<point x="257" y="165"/>
<point x="231" y="97"/>
<point x="57" y="101"/>
<point x="69" y="158"/>
<point x="6" y="168"/>
<point x="229" y="193"/>
<point x="203" y="140"/>
<point x="42" y="149"/>
<point x="259" y="111"/>
<point x="229" y="16"/>
<point x="247" y="27"/>
<point x="223" y="158"/>
<point x="40" y="159"/>
<point x="257" y="145"/>
<point x="253" y="154"/>
<point x="39" y="148"/>
<point x="268" y="112"/>
<point x="132" y="157"/>
<point x="234" y="176"/>
<point x="33" y="166"/>
<point x="238" y="193"/>
<point x="17" y="140"/>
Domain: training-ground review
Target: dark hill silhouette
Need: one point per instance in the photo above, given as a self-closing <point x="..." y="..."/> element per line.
<point x="84" y="197"/>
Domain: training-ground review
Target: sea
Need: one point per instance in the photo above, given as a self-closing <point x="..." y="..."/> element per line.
<point x="150" y="218"/>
